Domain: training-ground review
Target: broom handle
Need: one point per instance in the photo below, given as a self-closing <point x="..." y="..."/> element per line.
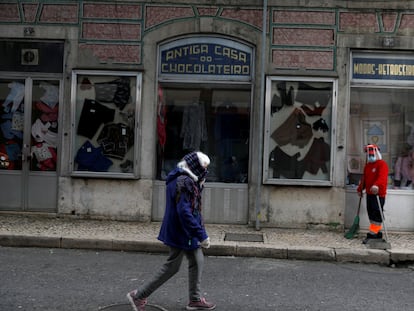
<point x="382" y="217"/>
<point x="359" y="205"/>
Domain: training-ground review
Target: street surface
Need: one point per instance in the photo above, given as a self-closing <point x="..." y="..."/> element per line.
<point x="79" y="280"/>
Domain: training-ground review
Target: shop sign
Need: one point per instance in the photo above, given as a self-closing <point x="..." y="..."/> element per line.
<point x="215" y="58"/>
<point x="381" y="67"/>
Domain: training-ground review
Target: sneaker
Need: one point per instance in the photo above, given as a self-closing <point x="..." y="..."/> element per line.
<point x="137" y="304"/>
<point x="202" y="304"/>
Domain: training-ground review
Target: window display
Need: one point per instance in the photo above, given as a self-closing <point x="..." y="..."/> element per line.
<point x="385" y="117"/>
<point x="45" y="112"/>
<point x="298" y="122"/>
<point x="40" y="149"/>
<point x="105" y="107"/>
<point x="214" y="120"/>
<point x="11" y="123"/>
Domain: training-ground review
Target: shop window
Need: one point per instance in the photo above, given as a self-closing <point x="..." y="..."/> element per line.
<point x="211" y="119"/>
<point x="15" y="148"/>
<point x="44" y="125"/>
<point x="383" y="116"/>
<point x="106" y="107"/>
<point x="12" y="94"/>
<point x="299" y="130"/>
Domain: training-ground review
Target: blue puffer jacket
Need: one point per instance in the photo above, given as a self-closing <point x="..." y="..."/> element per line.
<point x="182" y="226"/>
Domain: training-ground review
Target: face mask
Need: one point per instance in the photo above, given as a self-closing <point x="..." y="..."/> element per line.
<point x="203" y="175"/>
<point x="372" y="158"/>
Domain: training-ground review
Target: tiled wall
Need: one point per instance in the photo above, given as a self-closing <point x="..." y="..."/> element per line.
<point x="300" y="37"/>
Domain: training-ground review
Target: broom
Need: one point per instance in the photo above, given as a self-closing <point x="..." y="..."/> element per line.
<point x="353" y="231"/>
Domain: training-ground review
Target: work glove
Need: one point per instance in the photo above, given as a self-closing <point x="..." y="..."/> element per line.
<point x="205" y="243"/>
<point x="374" y="189"/>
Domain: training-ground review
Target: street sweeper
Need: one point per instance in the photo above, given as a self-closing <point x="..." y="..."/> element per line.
<point x="374" y="181"/>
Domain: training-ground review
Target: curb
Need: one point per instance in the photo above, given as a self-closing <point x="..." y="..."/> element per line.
<point x="343" y="255"/>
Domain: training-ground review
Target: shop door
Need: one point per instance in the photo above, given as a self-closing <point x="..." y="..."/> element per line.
<point x="29" y="143"/>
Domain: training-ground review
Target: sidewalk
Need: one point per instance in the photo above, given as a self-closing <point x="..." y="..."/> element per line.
<point x="226" y="240"/>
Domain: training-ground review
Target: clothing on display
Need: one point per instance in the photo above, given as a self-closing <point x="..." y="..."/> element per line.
<point x="9" y="132"/>
<point x="48" y="114"/>
<point x="317" y="156"/>
<point x="105" y="91"/>
<point x="109" y="130"/>
<point x="15" y="96"/>
<point x="91" y="158"/>
<point x="285" y="165"/>
<point x="314" y="111"/>
<point x="45" y="155"/>
<point x="42" y="133"/>
<point x="116" y="140"/>
<point x="285" y="97"/>
<point x="320" y="124"/>
<point x="117" y="92"/>
<point x="18" y="121"/>
<point x="92" y="116"/>
<point x="295" y="130"/>
<point x="51" y="95"/>
<point x="276" y="104"/>
<point x="122" y="93"/>
<point x="161" y="119"/>
<point x="290" y="167"/>
<point x="194" y="127"/>
<point x="85" y="84"/>
<point x="13" y="150"/>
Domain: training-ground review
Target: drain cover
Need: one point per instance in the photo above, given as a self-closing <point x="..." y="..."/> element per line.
<point x="244" y="237"/>
<point x="127" y="307"/>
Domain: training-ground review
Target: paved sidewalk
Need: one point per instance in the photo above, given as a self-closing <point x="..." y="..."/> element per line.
<point x="226" y="240"/>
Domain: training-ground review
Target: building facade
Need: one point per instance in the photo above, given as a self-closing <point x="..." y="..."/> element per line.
<point x="100" y="99"/>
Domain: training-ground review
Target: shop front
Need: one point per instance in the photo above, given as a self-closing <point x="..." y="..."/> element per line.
<point x="382" y="113"/>
<point x="100" y="100"/>
<point x="31" y="86"/>
<point x="204" y="103"/>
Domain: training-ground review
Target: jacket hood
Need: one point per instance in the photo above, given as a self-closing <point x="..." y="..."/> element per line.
<point x="174" y="174"/>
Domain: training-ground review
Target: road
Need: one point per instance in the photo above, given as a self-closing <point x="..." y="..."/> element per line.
<point x="78" y="280"/>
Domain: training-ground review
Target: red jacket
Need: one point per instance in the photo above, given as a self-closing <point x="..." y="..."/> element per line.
<point x="375" y="173"/>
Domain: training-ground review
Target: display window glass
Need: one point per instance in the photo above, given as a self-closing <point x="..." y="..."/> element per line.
<point x="106" y="109"/>
<point x="44" y="125"/>
<point x="12" y="94"/>
<point x="299" y="127"/>
<point x="40" y="148"/>
<point x="214" y="119"/>
<point x="383" y="116"/>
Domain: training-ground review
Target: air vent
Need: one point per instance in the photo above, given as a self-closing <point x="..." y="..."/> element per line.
<point x="30" y="57"/>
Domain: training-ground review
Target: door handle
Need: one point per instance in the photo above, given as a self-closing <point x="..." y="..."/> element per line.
<point x="25" y="158"/>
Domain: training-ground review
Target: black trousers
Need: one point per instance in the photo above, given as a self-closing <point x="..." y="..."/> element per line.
<point x="373" y="209"/>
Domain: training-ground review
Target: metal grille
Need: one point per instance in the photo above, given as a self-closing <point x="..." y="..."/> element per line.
<point x="127" y="307"/>
<point x="244" y="237"/>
